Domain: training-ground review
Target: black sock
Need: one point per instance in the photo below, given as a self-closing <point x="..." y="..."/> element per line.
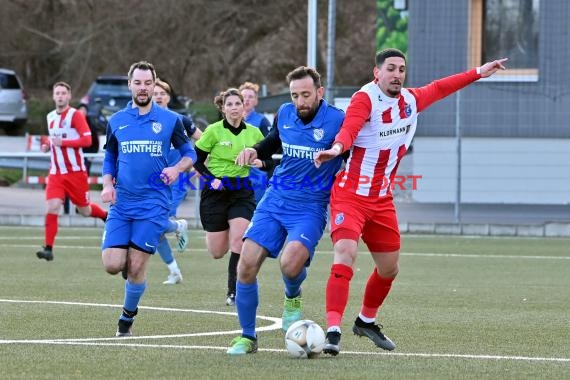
<point x="232" y="273"/>
<point x="361" y="323"/>
<point x="129" y="314"/>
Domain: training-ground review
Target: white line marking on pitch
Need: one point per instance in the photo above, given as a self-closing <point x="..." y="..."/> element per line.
<point x="418" y="254"/>
<point x="490" y="256"/>
<point x="276" y="325"/>
<point x="375" y="353"/>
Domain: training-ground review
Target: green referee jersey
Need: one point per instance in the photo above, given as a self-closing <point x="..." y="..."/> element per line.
<point x="224" y="147"/>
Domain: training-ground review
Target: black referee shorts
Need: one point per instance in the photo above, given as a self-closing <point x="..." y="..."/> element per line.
<point x="217" y="207"/>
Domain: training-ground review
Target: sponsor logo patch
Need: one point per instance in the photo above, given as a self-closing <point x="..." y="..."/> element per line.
<point x="339" y="218"/>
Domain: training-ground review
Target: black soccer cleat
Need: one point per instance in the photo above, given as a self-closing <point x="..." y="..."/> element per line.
<point x="231" y="299"/>
<point x="46" y="253"/>
<point x="373" y="332"/>
<point x="124" y="328"/>
<point x="332" y="343"/>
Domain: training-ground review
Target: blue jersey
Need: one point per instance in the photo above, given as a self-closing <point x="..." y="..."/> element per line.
<point x="296" y="178"/>
<point x="189" y="129"/>
<point x="258" y="120"/>
<point x="137" y="151"/>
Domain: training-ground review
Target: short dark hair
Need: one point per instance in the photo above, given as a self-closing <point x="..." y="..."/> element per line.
<point x="382" y="55"/>
<point x="142" y="65"/>
<point x="62" y="84"/>
<point x="302" y="72"/>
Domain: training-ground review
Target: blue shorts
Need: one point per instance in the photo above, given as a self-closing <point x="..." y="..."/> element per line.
<point x="276" y="220"/>
<point x="144" y="233"/>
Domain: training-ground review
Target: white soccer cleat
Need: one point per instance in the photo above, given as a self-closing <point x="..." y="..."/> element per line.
<point x="182" y="234"/>
<point x="173" y="279"/>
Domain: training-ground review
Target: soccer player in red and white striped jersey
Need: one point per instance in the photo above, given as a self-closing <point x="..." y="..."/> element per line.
<point x="68" y="134"/>
<point x="378" y="129"/>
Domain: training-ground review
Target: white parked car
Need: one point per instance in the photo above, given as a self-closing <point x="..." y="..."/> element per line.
<point x="13" y="109"/>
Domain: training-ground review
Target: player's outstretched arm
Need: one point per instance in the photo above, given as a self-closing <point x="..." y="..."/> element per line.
<point x="246" y="157"/>
<point x="492" y="67"/>
<point x="327" y="155"/>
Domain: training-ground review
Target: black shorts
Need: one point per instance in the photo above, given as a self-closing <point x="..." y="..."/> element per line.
<point x="219" y="206"/>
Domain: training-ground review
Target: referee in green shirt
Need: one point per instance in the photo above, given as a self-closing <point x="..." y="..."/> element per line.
<point x="227" y="202"/>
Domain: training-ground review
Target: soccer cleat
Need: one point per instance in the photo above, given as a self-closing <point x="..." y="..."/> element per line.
<point x="231" y="300"/>
<point x="182" y="234"/>
<point x="332" y="343"/>
<point x="292" y="311"/>
<point x="46" y="254"/>
<point x="124" y="328"/>
<point x="173" y="278"/>
<point x="242" y="345"/>
<point x="372" y="332"/>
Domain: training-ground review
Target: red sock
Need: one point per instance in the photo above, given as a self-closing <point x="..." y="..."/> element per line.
<point x="377" y="288"/>
<point x="338" y="287"/>
<point x="51" y="229"/>
<point x="98" y="212"/>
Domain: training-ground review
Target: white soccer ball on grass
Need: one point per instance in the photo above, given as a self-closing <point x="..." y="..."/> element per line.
<point x="304" y="339"/>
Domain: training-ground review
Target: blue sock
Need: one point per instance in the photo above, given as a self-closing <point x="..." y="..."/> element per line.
<point x="293" y="285"/>
<point x="247" y="299"/>
<point x="165" y="251"/>
<point x="172" y="226"/>
<point x="133" y="294"/>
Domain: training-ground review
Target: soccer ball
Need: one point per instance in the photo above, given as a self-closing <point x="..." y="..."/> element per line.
<point x="304" y="339"/>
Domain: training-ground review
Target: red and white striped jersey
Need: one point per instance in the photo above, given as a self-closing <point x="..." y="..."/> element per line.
<point x="72" y="127"/>
<point x="379" y="129"/>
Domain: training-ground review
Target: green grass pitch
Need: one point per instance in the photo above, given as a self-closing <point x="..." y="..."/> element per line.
<point x="461" y="307"/>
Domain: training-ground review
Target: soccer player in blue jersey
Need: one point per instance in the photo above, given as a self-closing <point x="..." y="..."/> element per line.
<point x="161" y="96"/>
<point x="135" y="181"/>
<point x="294" y="207"/>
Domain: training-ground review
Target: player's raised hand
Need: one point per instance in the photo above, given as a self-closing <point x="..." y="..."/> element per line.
<point x="327" y="155"/>
<point x="492" y="67"/>
<point x="246" y="157"/>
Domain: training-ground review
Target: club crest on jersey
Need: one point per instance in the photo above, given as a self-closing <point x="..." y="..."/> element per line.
<point x="318" y="134"/>
<point x="407" y="110"/>
<point x="156" y="127"/>
<point x="339" y="218"/>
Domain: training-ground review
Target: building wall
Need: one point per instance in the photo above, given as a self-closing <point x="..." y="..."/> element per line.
<point x="493" y="170"/>
<point x="438" y="46"/>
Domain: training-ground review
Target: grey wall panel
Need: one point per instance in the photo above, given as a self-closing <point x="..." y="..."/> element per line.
<point x="438" y="46"/>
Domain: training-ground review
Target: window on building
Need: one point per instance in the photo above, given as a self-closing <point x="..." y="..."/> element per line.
<point x="506" y="28"/>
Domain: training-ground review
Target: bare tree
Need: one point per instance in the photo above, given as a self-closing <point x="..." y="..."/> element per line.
<point x="202" y="46"/>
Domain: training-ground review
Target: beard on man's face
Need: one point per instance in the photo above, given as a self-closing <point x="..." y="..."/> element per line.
<point x="307" y="112"/>
<point x="142" y="103"/>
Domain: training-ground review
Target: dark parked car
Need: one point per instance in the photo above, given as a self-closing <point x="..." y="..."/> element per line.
<point x="107" y="95"/>
<point x="110" y="93"/>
